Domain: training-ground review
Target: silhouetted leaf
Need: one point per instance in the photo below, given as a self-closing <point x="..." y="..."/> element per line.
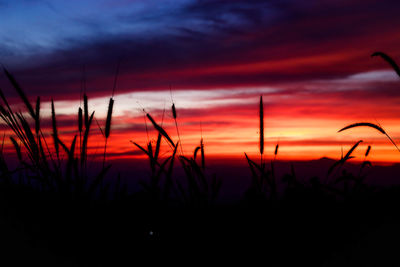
<point x="388" y="60"/>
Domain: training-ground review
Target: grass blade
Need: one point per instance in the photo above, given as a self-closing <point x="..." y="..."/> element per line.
<point x="20" y="93"/>
<point x="345" y="158"/>
<point x="368" y="124"/>
<point x="143" y="149"/>
<point x="160" y="130"/>
<point x="109" y="115"/>
<point x="368" y="150"/>
<point x="261" y="126"/>
<point x="37" y="119"/>
<point x="365" y="124"/>
<point x="158" y="145"/>
<point x="174" y="111"/>
<point x="86" y="110"/>
<point x="348" y="154"/>
<point x="168" y="181"/>
<point x="17" y="148"/>
<point x="195" y="152"/>
<point x="85" y="140"/>
<point x="80" y="119"/>
<point x="55" y="131"/>
<point x="388" y="60"/>
<point x="203" y="159"/>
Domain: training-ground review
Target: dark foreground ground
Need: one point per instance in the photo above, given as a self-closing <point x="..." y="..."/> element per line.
<point x="303" y="227"/>
<point x="306" y="224"/>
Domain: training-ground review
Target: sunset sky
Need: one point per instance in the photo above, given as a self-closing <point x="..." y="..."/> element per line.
<point x="309" y="59"/>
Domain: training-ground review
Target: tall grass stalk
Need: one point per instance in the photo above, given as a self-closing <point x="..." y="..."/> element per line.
<point x="55" y="131"/>
<point x="109" y="114"/>
<point x="107" y="127"/>
<point x="174" y="115"/>
<point x="20" y="93"/>
<point x="261" y="117"/>
<point x="80" y="127"/>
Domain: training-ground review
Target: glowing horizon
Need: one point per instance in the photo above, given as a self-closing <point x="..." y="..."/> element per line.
<point x="228" y="121"/>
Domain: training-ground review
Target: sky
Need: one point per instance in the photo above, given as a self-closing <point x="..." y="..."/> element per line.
<point x="309" y="59"/>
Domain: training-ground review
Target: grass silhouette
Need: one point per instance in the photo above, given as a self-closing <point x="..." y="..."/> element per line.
<point x="280" y="220"/>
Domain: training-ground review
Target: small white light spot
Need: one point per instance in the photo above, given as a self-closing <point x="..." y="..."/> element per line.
<point x="151" y="233"/>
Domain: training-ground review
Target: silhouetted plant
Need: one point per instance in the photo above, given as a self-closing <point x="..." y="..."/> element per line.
<point x="42" y="166"/>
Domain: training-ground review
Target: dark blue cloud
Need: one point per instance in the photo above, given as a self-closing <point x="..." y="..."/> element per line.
<point x="46" y="44"/>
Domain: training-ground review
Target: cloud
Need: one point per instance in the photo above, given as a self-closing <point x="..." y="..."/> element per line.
<point x="210" y="44"/>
